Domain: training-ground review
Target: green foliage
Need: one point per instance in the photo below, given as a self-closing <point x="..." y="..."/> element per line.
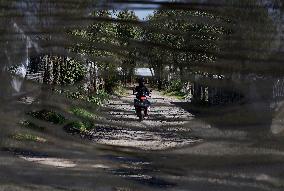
<point x="77" y="125"/>
<point x="28" y="137"/>
<point x="99" y="98"/>
<point x="255" y="30"/>
<point x="31" y="125"/>
<point x="81" y="126"/>
<point x="120" y="90"/>
<point x="59" y="70"/>
<point x="126" y="34"/>
<point x="49" y="116"/>
<point x="98" y="41"/>
<point x="110" y="84"/>
<point x="80" y="112"/>
<point x="71" y="72"/>
<point x="80" y="93"/>
<point x="85" y="123"/>
<point x="176" y="94"/>
<point x="175" y="86"/>
<point x="180" y="40"/>
<point x="126" y="31"/>
<point x="76" y="95"/>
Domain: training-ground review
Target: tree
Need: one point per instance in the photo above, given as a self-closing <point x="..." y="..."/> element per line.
<point x="94" y="44"/>
<point x="177" y="42"/>
<point x="126" y="33"/>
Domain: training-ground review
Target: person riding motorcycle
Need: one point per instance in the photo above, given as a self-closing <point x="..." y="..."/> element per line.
<point x="141" y="90"/>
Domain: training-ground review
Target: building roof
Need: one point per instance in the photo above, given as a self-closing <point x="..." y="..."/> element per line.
<point x="143" y="72"/>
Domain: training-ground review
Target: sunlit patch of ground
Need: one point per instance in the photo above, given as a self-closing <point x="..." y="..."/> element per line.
<point x="55" y="162"/>
<point x="277" y="124"/>
<point x="101" y="166"/>
<point x="41" y="158"/>
<point x="27" y="100"/>
<point x="142" y="139"/>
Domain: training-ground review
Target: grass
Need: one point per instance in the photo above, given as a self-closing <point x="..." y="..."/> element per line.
<point x="120" y="91"/>
<point x="82" y="125"/>
<point x="80" y="112"/>
<point x="79" y="126"/>
<point x="176" y="94"/>
<point x="49" y="116"/>
<point x="28" y="137"/>
<point x="85" y="124"/>
<point x="99" y="99"/>
<point x="30" y="125"/>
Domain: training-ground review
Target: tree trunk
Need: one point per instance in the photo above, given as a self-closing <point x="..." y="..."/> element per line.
<point x="56" y="70"/>
<point x="181" y="73"/>
<point x="196" y="92"/>
<point x="152" y="72"/>
<point x="47" y="71"/>
<point x="95" y="78"/>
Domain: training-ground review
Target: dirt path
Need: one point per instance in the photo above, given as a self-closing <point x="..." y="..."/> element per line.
<point x="162" y="129"/>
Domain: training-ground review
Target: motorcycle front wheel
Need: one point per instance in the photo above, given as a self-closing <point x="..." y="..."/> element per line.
<point x="140" y="114"/>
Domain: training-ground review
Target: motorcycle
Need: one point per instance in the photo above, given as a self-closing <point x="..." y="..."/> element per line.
<point x="142" y="106"/>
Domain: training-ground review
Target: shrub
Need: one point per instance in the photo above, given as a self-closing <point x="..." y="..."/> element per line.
<point x="49" y="116"/>
<point x="99" y="98"/>
<point x="175" y="86"/>
<point x="28" y="137"/>
<point x="30" y="125"/>
<point x="80" y="112"/>
<point x="78" y="126"/>
<point x="119" y="90"/>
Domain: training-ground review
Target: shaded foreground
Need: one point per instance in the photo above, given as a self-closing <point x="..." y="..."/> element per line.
<point x="171" y="150"/>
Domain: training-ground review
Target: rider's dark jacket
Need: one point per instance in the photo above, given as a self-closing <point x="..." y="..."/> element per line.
<point x="141" y="90"/>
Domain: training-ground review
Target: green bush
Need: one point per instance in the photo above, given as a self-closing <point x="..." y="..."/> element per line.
<point x="72" y="71"/>
<point x="99" y="98"/>
<point x="28" y="137"/>
<point x="80" y="126"/>
<point x="30" y="125"/>
<point x="80" y="93"/>
<point x="76" y="95"/>
<point x="111" y="84"/>
<point x="119" y="90"/>
<point x="49" y="116"/>
<point x="80" y="112"/>
<point x="175" y="86"/>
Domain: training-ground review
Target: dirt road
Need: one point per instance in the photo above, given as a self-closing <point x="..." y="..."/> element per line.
<point x="162" y="129"/>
